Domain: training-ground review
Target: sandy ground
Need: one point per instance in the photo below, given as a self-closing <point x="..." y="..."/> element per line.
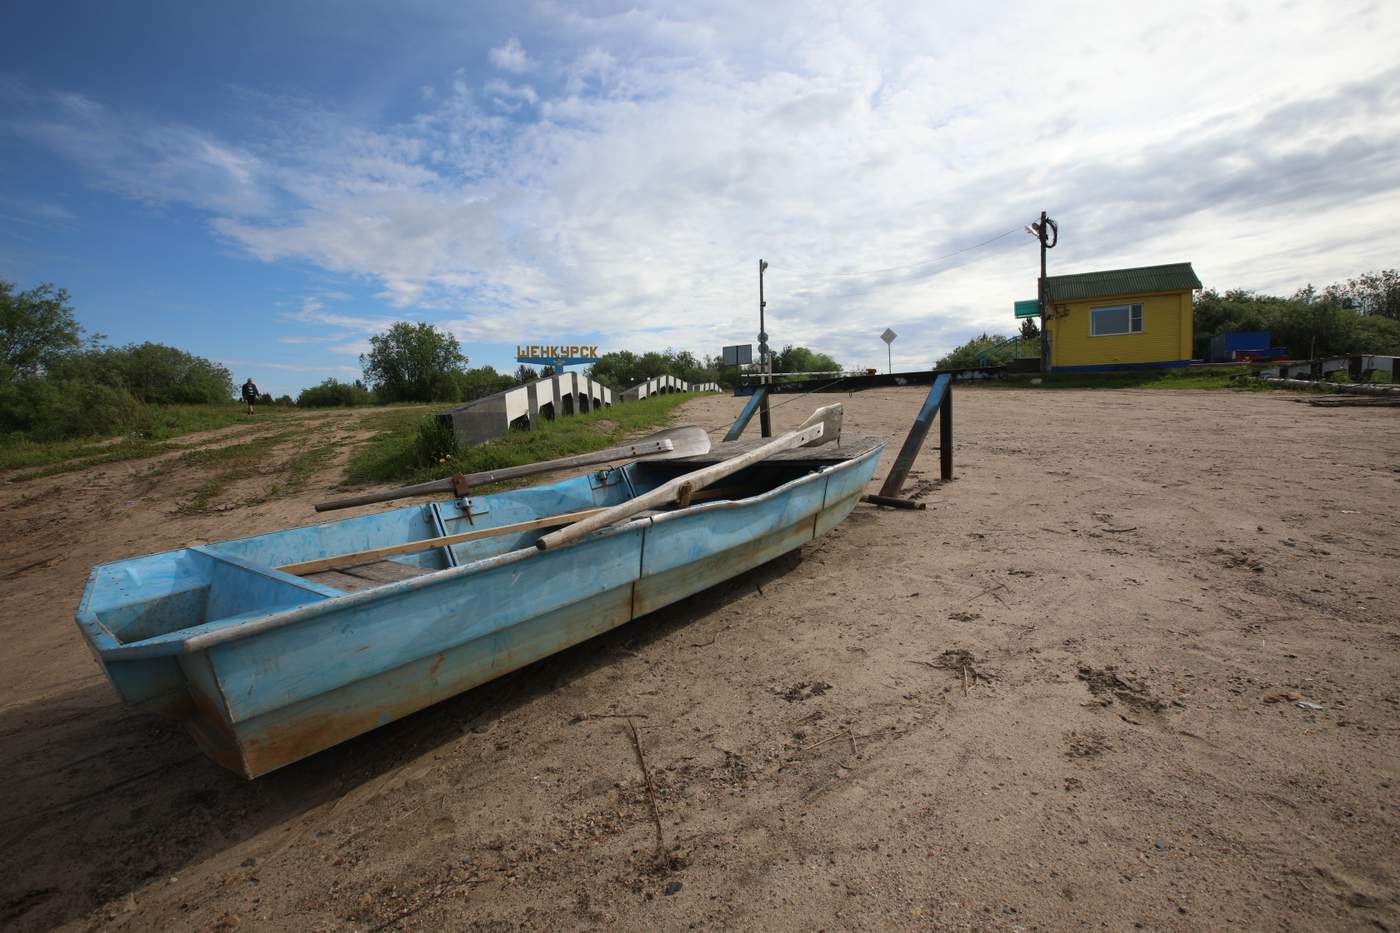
<point x="1066" y="696"/>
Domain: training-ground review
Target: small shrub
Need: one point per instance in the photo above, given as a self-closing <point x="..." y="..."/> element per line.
<point x="48" y="409"/>
<point x="435" y="441"/>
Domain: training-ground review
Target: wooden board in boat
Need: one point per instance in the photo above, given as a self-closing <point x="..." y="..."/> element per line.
<point x="367" y="576"/>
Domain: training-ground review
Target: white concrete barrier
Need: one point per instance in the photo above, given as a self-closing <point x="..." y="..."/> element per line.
<point x="663" y="385"/>
<point x="526" y="405"/>
<point x="553" y="397"/>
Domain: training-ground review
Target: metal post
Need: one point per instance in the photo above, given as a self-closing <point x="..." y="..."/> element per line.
<point x="889" y="358"/>
<point x="945" y="437"/>
<point x="765" y="360"/>
<point x="1044" y="321"/>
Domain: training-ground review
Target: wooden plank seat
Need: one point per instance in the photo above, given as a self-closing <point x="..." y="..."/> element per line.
<point x="367" y="576"/>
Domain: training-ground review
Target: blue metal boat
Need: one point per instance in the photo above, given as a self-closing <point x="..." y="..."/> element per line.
<point x="268" y="666"/>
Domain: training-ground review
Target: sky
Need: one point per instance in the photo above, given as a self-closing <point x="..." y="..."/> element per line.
<point x="270" y="184"/>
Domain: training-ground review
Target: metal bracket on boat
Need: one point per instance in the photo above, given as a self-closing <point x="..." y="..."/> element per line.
<point x="601" y="478"/>
<point x="472" y="507"/>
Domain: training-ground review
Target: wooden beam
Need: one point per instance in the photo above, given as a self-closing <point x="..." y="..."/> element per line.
<point x="745" y="416"/>
<point x="374" y="554"/>
<point x="938" y="395"/>
<point x="945" y="437"/>
<point x="888" y="502"/>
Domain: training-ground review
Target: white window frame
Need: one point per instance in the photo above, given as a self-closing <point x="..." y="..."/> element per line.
<point x="1134" y="320"/>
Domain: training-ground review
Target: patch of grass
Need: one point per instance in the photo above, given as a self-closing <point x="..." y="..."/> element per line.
<point x="227" y="464"/>
<point x="128" y="448"/>
<point x="164" y="422"/>
<point x="1236" y="377"/>
<point x="389" y="452"/>
<point x="301" y="466"/>
<point x="393" y="454"/>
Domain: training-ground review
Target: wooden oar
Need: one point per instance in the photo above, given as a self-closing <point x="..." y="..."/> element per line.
<point x="356" y="558"/>
<point x="824" y="423"/>
<point x="688" y="441"/>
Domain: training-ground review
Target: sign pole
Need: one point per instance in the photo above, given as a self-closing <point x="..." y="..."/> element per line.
<point x="888" y="337"/>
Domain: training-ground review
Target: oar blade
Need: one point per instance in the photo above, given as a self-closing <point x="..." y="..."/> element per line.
<point x="687" y="441"/>
<point x="829" y="417"/>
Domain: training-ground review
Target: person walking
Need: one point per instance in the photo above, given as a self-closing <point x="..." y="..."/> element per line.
<point x="250" y="394"/>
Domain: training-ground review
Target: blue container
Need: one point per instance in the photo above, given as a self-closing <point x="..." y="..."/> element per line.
<point x="1223" y="347"/>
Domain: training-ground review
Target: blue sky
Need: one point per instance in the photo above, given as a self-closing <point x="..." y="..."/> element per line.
<point x="269" y="184"/>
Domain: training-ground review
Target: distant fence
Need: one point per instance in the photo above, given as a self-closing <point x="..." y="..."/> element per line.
<point x="559" y="396"/>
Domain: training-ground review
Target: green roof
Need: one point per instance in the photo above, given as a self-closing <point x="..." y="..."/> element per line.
<point x="1174" y="277"/>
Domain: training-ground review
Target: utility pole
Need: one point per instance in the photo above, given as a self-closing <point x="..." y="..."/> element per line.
<point x="1041" y="231"/>
<point x="765" y="360"/>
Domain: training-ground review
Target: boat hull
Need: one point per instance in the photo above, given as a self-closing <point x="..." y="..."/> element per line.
<point x="263" y="693"/>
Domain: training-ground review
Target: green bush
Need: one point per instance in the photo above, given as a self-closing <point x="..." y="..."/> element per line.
<point x="152" y="372"/>
<point x="435" y="441"/>
<point x="51" y="409"/>
<point x="333" y="393"/>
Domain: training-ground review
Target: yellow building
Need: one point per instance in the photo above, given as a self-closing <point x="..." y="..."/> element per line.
<point x="1120" y="318"/>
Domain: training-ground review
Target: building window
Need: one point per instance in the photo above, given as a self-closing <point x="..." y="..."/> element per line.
<point x="1115" y="319"/>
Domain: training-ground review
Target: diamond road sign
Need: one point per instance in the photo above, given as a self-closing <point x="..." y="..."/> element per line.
<point x="1028" y="308"/>
<point x="888" y="336"/>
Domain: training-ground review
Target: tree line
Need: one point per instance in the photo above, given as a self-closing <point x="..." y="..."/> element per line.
<point x="56" y="381"/>
<point x="418" y="362"/>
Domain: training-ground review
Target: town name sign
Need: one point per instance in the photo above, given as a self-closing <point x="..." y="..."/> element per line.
<point x="556" y="355"/>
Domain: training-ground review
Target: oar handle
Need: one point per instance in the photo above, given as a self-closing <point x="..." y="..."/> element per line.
<point x="642" y="448"/>
<point x="437" y="485"/>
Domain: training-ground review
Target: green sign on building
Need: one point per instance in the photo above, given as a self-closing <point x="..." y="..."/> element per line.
<point x="1028" y="308"/>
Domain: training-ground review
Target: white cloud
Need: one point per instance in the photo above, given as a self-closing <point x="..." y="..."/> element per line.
<point x="510" y="56"/>
<point x="351" y="330"/>
<point x="155" y="163"/>
<point x="651" y="170"/>
<point x="510" y="97"/>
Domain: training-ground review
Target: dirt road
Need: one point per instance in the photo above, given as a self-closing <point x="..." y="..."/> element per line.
<point x="1137" y="666"/>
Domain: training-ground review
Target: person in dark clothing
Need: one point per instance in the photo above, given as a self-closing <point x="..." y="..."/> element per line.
<point x="250" y="394"/>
